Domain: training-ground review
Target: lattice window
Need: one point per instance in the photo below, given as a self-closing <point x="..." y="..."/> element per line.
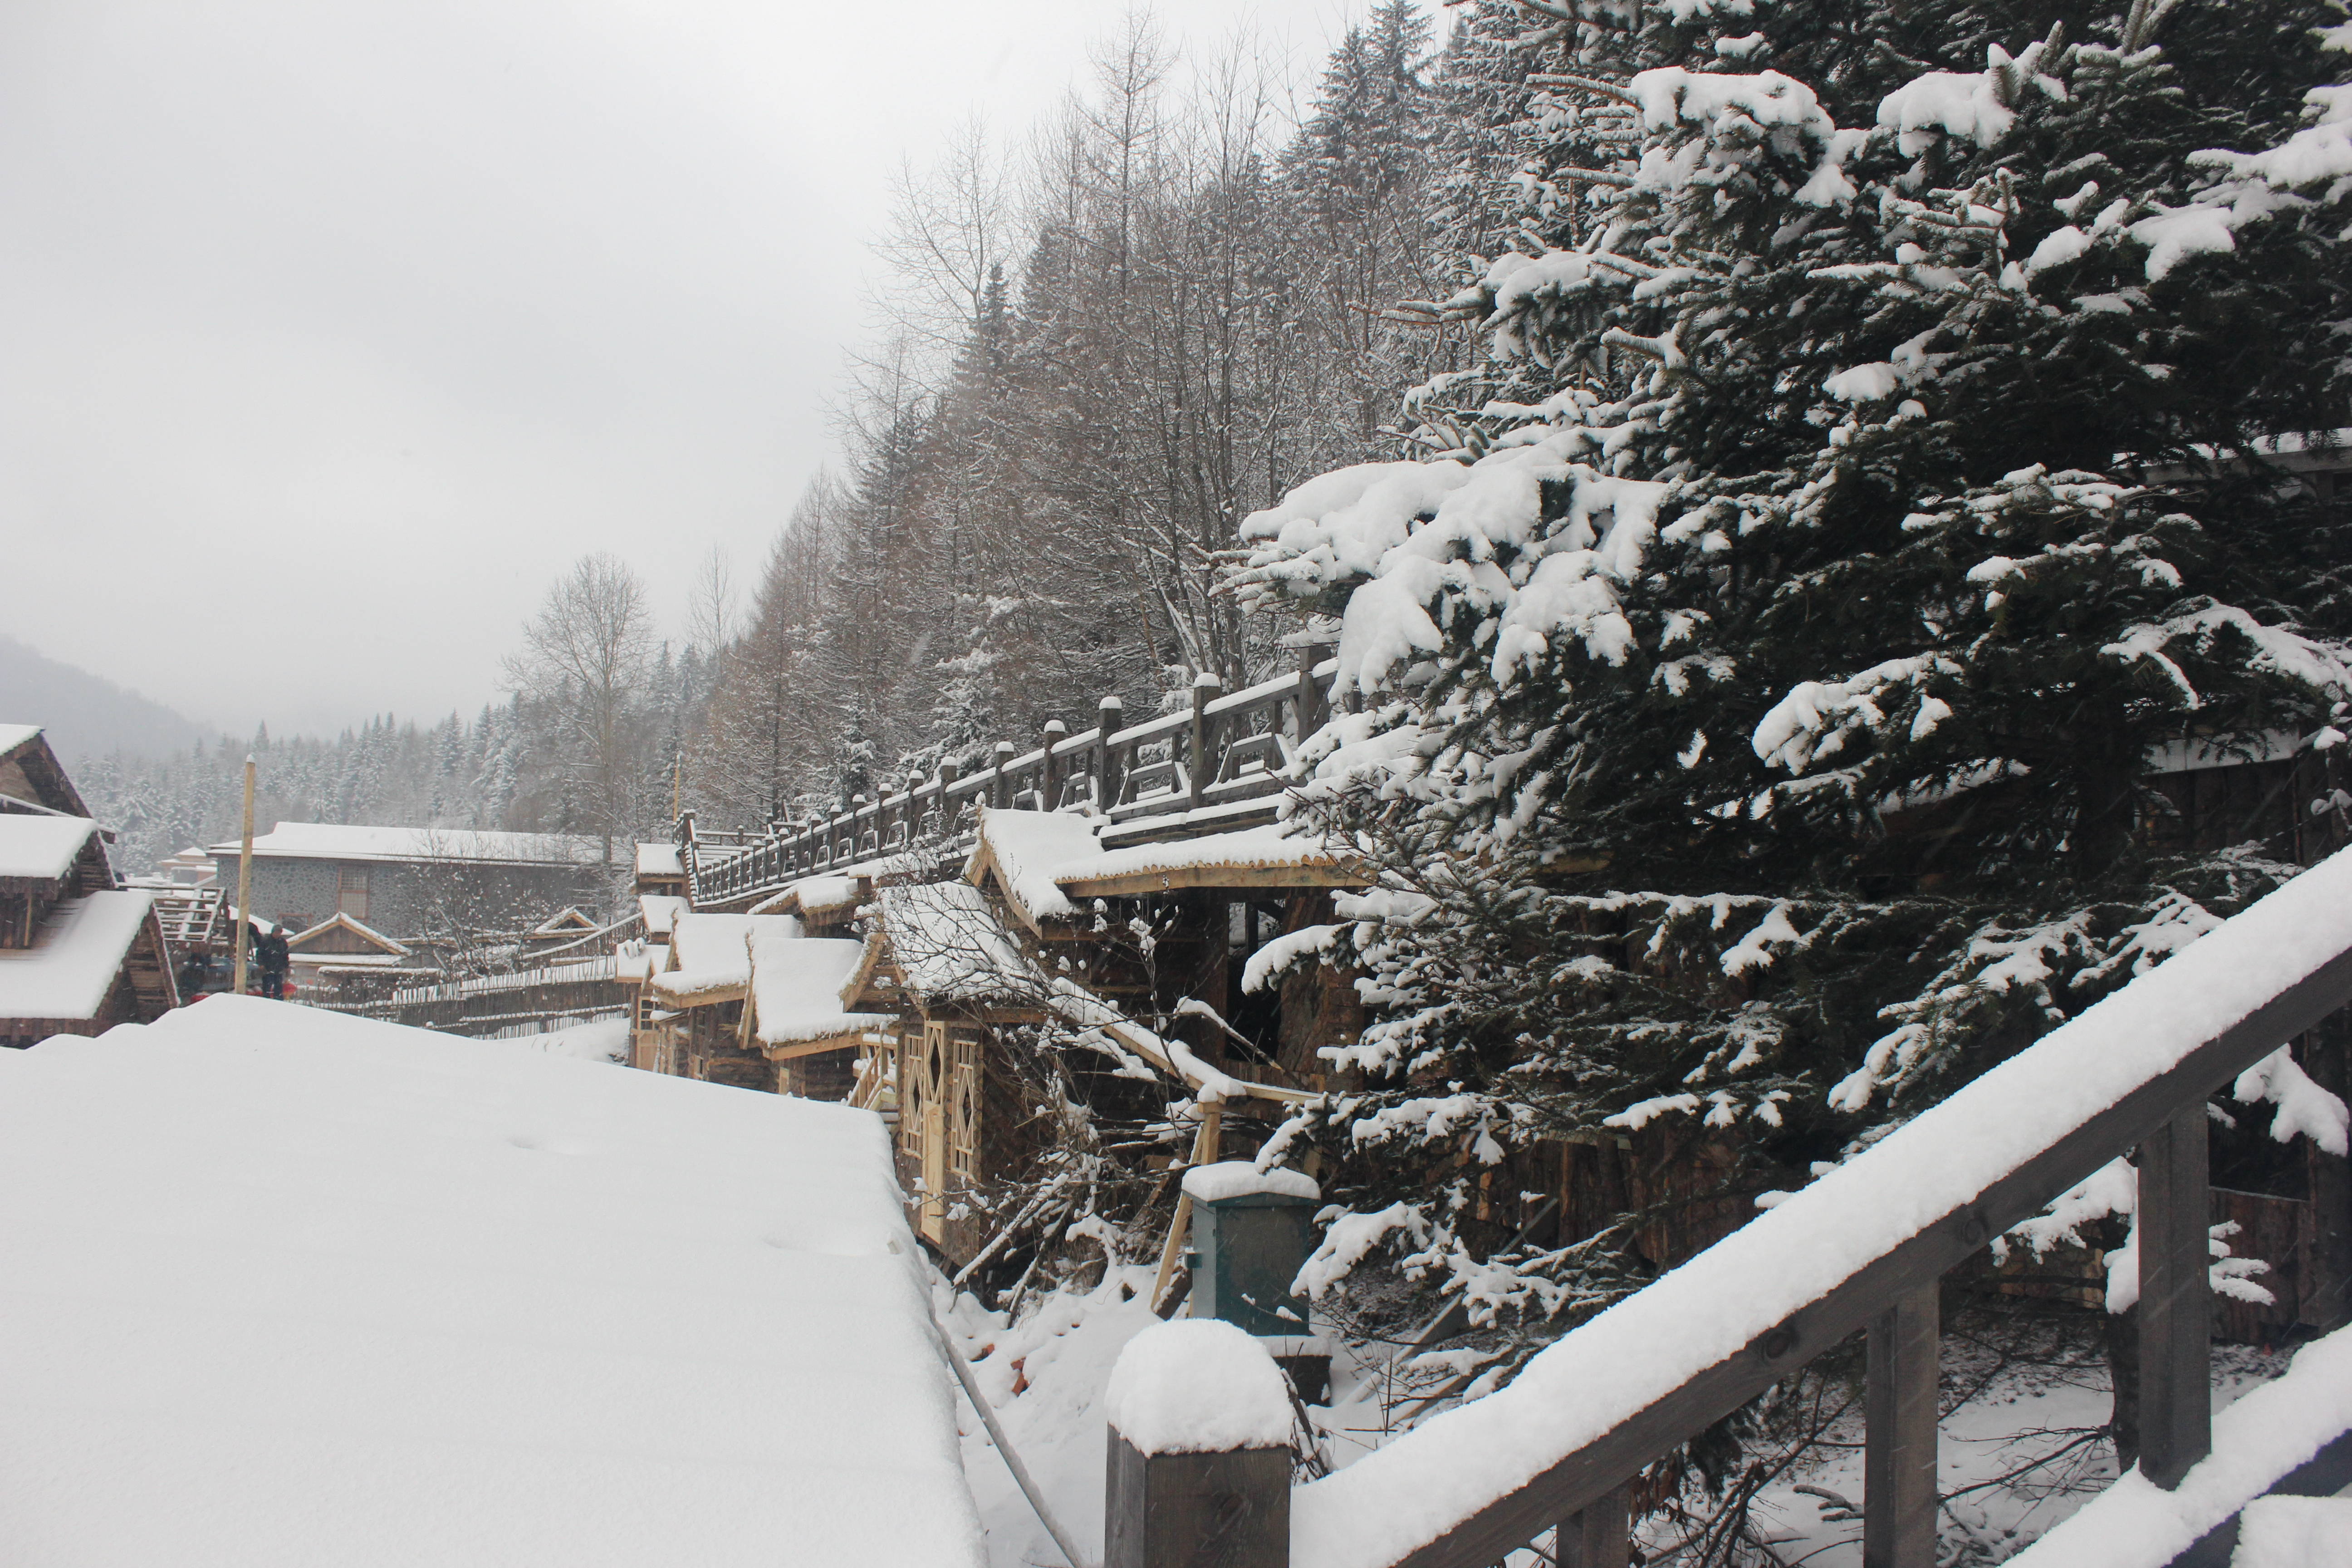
<point x="963" y="1113"/>
<point x="911" y="1083"/>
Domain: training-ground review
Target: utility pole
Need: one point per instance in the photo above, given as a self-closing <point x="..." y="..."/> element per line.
<point x="244" y="881"/>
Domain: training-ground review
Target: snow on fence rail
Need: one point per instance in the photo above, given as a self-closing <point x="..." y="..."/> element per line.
<point x="1231" y="748"/>
<point x="1864" y="1246"/>
<point x="602" y="967"/>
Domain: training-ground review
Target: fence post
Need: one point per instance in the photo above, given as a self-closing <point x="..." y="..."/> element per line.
<point x="1055" y="731"/>
<point x="1199" y="1472"/>
<point x="1598" y="1535"/>
<point x="1109" y="714"/>
<point x="1205" y="687"/>
<point x="1000" y="788"/>
<point x="1313" y="708"/>
<point x="1900" y="1409"/>
<point x="2176" y="1300"/>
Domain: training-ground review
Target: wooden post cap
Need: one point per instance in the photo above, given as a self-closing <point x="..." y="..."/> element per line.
<point x="1198" y="1466"/>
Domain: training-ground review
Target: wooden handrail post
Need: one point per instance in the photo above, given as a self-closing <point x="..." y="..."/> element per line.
<point x="2176" y="1300"/>
<point x="1899" y="1410"/>
<point x="1056" y="732"/>
<point x="1313" y="707"/>
<point x="1205" y="687"/>
<point x="1167" y="1501"/>
<point x="1000" y="788"/>
<point x="1110" y="713"/>
<point x="1598" y="1535"/>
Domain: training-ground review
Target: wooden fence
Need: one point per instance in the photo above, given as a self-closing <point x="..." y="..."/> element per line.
<point x="490" y="1003"/>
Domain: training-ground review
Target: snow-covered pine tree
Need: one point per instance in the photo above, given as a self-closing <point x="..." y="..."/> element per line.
<point x="1759" y="698"/>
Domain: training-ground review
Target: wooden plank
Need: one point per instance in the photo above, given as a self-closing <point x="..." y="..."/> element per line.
<point x="1141" y="884"/>
<point x="1527" y="1510"/>
<point x="1229" y="1509"/>
<point x="2175" y="1301"/>
<point x="1898" y="1527"/>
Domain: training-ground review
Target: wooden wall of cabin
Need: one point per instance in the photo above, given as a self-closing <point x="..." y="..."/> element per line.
<point x="714" y="1050"/>
<point x="827" y="1075"/>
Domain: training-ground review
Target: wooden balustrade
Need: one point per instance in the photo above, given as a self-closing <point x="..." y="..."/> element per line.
<point x="1223" y="748"/>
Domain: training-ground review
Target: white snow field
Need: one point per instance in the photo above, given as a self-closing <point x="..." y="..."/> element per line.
<point x="290" y="1288"/>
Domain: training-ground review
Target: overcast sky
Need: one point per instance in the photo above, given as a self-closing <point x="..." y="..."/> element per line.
<point x="330" y="331"/>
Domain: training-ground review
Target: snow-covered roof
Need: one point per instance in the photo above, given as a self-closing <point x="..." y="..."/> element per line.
<point x="341" y="922"/>
<point x="444" y="1334"/>
<point x="711" y="955"/>
<point x="660" y="860"/>
<point x="15" y="735"/>
<point x="341" y="841"/>
<point x="816" y="896"/>
<point x="661" y="911"/>
<point x="796" y="988"/>
<point x="1027" y="850"/>
<point x="75" y="957"/>
<point x="950" y="947"/>
<point x="1265" y="854"/>
<point x="42" y="848"/>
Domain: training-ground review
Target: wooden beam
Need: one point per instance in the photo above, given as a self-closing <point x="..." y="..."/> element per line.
<point x="1899" y="1408"/>
<point x="1518" y="1516"/>
<point x="2176" y="1300"/>
<point x="796" y="1050"/>
<point x="1598" y="1535"/>
<point x="1143" y="884"/>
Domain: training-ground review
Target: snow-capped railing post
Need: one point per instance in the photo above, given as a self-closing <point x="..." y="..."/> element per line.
<point x="1000" y="783"/>
<point x="1313" y="708"/>
<point x="2176" y="1300"/>
<point x="1110" y="713"/>
<point x="1900" y="1409"/>
<point x="1200" y="1430"/>
<point x="1206" y="687"/>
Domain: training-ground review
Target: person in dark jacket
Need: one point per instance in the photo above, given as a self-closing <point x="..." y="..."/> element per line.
<point x="274" y="959"/>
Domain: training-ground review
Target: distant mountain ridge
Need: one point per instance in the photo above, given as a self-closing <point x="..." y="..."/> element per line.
<point x="86" y="716"/>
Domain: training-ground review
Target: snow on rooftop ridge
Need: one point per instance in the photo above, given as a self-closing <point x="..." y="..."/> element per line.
<point x="232" y="1350"/>
<point x="42" y="849"/>
<point x="2257" y="1440"/>
<point x="660" y="860"/>
<point x="950" y="946"/>
<point x="661" y="911"/>
<point x="1267" y="848"/>
<point x="1229" y="1179"/>
<point x="15" y="735"/>
<point x="700" y="941"/>
<point x="797" y="983"/>
<point x="75" y="957"/>
<point x="346" y="841"/>
<point x="1645" y="1347"/>
<point x="1029" y="850"/>
<point x="1198" y="1385"/>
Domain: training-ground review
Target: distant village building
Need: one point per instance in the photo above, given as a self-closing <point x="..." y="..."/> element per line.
<point x="402" y="884"/>
<point x="79" y="952"/>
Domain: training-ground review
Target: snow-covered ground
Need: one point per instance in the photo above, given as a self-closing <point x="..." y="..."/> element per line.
<point x="288" y="1287"/>
<point x="604" y="1040"/>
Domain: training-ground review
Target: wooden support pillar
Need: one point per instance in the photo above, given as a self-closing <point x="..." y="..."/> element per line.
<point x="1056" y="734"/>
<point x="1598" y="1535"/>
<point x="1110" y="713"/>
<point x="1898" y="1466"/>
<point x="2175" y="1301"/>
<point x="948" y="772"/>
<point x="1205" y="687"/>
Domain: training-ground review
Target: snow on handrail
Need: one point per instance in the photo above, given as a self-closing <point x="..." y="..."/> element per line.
<point x="603" y="967"/>
<point x="2259" y="1441"/>
<point x="1956" y="1166"/>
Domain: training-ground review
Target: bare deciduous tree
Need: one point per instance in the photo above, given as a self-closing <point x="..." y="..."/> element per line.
<point x="583" y="665"/>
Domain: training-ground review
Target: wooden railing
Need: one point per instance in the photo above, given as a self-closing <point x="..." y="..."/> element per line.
<point x="583" y="988"/>
<point x="1863" y="1249"/>
<point x="1219" y="762"/>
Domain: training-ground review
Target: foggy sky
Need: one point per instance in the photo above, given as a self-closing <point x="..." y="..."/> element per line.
<point x="329" y="331"/>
